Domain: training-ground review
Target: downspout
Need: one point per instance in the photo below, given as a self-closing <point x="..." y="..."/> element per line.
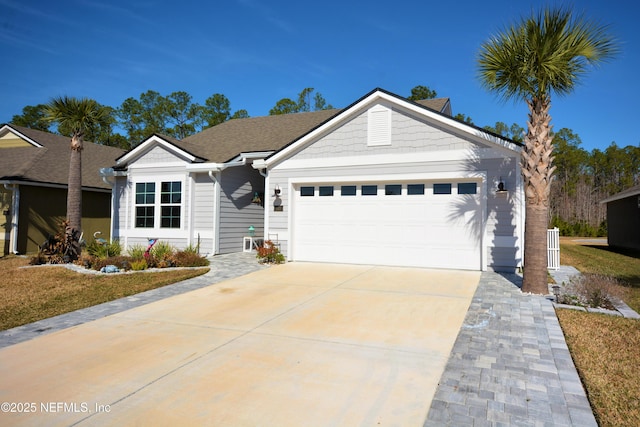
<point x="15" y="215"/>
<point x="105" y="174"/>
<point x="264" y="172"/>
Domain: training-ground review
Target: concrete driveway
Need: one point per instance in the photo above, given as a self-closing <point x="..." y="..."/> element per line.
<point x="295" y="344"/>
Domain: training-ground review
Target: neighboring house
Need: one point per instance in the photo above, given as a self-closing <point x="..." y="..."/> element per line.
<point x="383" y="181"/>
<point x="34" y="167"/>
<point x="623" y="218"/>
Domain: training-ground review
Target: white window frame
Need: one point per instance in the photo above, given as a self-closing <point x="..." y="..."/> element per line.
<point x="157" y="230"/>
<point x="171" y="204"/>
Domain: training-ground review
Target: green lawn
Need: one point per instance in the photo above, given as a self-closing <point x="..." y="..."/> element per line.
<point x="31" y="294"/>
<point x="605" y="348"/>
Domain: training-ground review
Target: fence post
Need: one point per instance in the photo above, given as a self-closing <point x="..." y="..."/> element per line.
<point x="553" y="248"/>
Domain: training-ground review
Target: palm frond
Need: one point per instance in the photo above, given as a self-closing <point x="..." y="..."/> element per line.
<point x="544" y="53"/>
<point x="76" y="115"/>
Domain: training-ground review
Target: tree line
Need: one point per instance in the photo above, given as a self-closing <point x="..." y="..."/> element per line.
<point x="581" y="180"/>
<point x="175" y="115"/>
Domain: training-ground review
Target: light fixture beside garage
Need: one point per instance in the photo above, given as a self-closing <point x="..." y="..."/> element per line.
<point x="501" y="187"/>
<point x="277" y="203"/>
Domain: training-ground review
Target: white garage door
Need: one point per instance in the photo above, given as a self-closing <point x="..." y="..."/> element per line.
<point x="426" y="224"/>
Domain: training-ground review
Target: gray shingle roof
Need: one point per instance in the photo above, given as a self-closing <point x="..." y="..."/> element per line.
<point x="269" y="133"/>
<point x="437" y="104"/>
<point x="225" y="141"/>
<point x="50" y="163"/>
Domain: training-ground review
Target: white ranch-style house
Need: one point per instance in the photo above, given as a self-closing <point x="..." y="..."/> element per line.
<point x="384" y="181"/>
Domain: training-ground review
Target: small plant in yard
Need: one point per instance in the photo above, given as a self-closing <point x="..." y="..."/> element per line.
<point x="58" y="249"/>
<point x="100" y="248"/>
<point x="188" y="258"/>
<point x="103" y="254"/>
<point x="136" y="251"/>
<point x="160" y="255"/>
<point x="269" y="253"/>
<point x="122" y="262"/>
<point x="139" y="264"/>
<point x="592" y="290"/>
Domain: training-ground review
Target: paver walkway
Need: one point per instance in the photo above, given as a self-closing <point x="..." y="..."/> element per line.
<point x="510" y="364"/>
<point x="222" y="267"/>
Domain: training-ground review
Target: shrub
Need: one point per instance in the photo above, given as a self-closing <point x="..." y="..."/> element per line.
<point x="139" y="264"/>
<point x="192" y="249"/>
<point x="189" y="259"/>
<point x="592" y="290"/>
<point x="270" y="253"/>
<point x="136" y="251"/>
<point x="120" y="261"/>
<point x="578" y="228"/>
<point x="102" y="249"/>
<point x="61" y="248"/>
<point x="162" y="251"/>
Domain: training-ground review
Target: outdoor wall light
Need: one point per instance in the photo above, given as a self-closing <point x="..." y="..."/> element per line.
<point x="501" y="188"/>
<point x="257" y="200"/>
<point x="277" y="202"/>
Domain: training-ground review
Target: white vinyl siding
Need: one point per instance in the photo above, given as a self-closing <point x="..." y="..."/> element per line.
<point x="422" y="150"/>
<point x="203" y="205"/>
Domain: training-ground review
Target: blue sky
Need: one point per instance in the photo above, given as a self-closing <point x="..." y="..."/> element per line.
<point x="257" y="52"/>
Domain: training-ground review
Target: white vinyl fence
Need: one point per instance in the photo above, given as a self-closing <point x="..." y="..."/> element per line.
<point x="553" y="248"/>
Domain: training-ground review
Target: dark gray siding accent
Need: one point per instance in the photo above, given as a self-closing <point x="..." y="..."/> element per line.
<point x="237" y="213"/>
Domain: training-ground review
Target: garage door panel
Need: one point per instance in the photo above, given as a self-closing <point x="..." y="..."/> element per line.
<point x="426" y="230"/>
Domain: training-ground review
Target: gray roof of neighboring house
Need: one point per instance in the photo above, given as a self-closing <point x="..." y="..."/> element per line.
<point x="50" y="163"/>
<point x="629" y="192"/>
<point x="225" y="141"/>
<point x="442" y="105"/>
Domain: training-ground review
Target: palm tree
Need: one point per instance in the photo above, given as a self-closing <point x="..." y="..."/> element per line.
<point x="76" y="117"/>
<point x="545" y="53"/>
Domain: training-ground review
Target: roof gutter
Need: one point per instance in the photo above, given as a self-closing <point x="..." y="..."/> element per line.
<point x="106" y="173"/>
<point x="633" y="191"/>
<point x="241" y="160"/>
<point x="259" y="164"/>
<point x="15" y="213"/>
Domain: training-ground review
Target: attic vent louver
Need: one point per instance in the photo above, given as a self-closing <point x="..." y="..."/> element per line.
<point x="379" y="126"/>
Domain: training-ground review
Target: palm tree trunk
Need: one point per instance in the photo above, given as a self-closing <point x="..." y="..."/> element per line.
<point x="535" y="250"/>
<point x="537" y="172"/>
<point x="74" y="196"/>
